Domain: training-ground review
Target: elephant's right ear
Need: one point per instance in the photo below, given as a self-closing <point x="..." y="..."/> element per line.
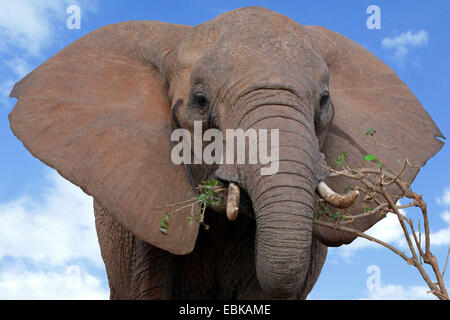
<point x="98" y="112"/>
<point x="368" y="96"/>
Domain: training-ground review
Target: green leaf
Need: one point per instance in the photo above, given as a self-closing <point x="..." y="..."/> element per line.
<point x="164" y="225"/>
<point x="370" y="157"/>
<point x="341" y="158"/>
<point x="371" y="132"/>
<point x="202" y="196"/>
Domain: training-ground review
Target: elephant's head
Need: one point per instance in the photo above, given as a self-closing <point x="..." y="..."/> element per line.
<point x="102" y="110"/>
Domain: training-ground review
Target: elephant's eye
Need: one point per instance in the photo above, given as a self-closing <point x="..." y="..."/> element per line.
<point x="324" y="114"/>
<point x="199" y="100"/>
<point x="324" y="98"/>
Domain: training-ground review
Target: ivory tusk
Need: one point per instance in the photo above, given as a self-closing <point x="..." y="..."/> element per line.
<point x="335" y="199"/>
<point x="233" y="201"/>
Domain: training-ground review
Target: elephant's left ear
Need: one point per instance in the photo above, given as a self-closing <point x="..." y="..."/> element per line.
<point x="375" y="114"/>
<point x="98" y="112"/>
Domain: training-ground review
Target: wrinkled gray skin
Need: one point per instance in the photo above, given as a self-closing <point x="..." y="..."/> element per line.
<point x="250" y="77"/>
<point x="259" y="81"/>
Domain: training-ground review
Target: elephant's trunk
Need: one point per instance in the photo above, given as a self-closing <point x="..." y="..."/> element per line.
<point x="284" y="202"/>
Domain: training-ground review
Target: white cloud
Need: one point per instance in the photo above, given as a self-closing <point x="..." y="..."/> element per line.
<point x="446" y="216"/>
<point x="29" y="25"/>
<point x="26" y="29"/>
<point x="6" y="87"/>
<point x="407" y="39"/>
<point x="43" y="235"/>
<point x="442" y="236"/>
<point x="387" y="230"/>
<point x="70" y="283"/>
<point x="404" y="42"/>
<point x="54" y="228"/>
<point x="399" y="292"/>
<point x="445" y="198"/>
<point x="18" y="66"/>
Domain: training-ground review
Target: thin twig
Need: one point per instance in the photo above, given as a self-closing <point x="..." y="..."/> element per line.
<point x="373" y="189"/>
<point x="420" y="241"/>
<point x="446" y="260"/>
<point x="366" y="214"/>
<point x="363" y="235"/>
<point x="396" y="177"/>
<point x="183" y="207"/>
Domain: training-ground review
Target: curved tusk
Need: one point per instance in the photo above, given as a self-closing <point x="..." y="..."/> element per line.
<point x="335" y="199"/>
<point x="233" y="201"/>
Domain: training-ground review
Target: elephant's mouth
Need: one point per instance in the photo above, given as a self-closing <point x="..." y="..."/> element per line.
<point x="269" y="261"/>
<point x="235" y="200"/>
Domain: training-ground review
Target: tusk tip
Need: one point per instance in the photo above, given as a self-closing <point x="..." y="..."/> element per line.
<point x="233" y="201"/>
<point x="232" y="214"/>
<point x="335" y="199"/>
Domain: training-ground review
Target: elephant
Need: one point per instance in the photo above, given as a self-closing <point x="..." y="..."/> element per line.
<point x="101" y="112"/>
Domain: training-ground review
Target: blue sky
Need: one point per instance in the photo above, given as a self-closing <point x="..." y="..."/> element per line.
<point x="48" y="246"/>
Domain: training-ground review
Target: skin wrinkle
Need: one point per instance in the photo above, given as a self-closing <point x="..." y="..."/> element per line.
<point x="275" y="108"/>
<point x="306" y="178"/>
<point x="225" y="90"/>
<point x="261" y="193"/>
<point x="277" y="116"/>
<point x="270" y="202"/>
<point x="257" y="170"/>
<point x="262" y="93"/>
<point x="294" y="104"/>
<point x="260" y="178"/>
<point x="299" y="149"/>
<point x="175" y="110"/>
<point x="273" y="104"/>
<point x="270" y="235"/>
<point x="282" y="193"/>
<point x="256" y="89"/>
<point x="286" y="251"/>
<point x="268" y="242"/>
<point x="290" y="212"/>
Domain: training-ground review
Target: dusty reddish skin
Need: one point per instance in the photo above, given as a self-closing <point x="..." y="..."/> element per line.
<point x="101" y="112"/>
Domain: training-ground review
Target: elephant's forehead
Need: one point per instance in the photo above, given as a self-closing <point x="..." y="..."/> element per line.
<point x="246" y="29"/>
<point x="243" y="38"/>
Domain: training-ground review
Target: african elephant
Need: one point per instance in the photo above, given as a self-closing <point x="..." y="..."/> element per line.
<point x="101" y="112"/>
